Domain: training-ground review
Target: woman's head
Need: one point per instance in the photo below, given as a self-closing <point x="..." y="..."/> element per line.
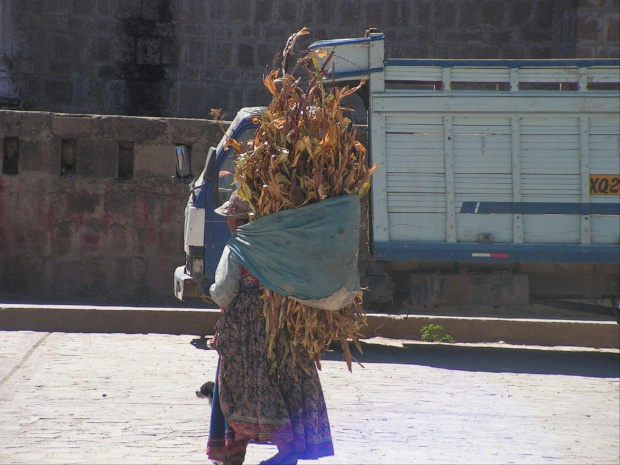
<point x="236" y="210"/>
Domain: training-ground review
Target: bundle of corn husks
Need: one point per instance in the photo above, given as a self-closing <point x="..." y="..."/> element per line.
<point x="304" y="151"/>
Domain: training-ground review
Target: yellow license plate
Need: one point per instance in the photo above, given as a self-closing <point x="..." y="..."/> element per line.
<point x="605" y="184"/>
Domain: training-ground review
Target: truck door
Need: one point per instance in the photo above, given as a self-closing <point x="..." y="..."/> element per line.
<point x="223" y="184"/>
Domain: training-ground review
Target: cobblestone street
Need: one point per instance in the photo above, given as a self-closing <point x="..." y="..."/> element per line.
<point x="116" y="398"/>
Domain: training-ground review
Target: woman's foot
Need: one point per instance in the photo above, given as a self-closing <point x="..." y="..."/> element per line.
<point x="282" y="458"/>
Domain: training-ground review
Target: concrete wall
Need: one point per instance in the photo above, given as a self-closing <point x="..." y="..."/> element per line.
<point x="89" y="209"/>
<point x="183" y="57"/>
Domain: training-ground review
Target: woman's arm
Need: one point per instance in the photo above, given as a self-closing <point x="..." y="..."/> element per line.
<point x="227" y="276"/>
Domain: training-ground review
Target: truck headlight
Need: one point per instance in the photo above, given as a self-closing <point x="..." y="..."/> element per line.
<point x="196" y="267"/>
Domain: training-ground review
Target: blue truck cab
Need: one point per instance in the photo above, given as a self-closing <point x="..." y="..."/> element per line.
<point x="206" y="232"/>
<point x="498" y="181"/>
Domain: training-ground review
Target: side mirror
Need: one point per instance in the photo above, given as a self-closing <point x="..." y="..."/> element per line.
<point x="210" y="165"/>
<point x="184" y="169"/>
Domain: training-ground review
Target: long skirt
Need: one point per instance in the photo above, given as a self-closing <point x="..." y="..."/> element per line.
<point x="223" y="445"/>
<point x="256" y="405"/>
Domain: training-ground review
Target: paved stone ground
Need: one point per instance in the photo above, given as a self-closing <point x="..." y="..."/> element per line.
<point x="116" y="398"/>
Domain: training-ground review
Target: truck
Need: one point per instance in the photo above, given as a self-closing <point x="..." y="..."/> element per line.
<point x="498" y="180"/>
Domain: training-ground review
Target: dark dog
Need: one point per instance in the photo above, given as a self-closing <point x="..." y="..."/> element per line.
<point x="206" y="391"/>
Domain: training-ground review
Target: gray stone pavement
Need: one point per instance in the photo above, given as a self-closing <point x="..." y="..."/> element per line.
<point x="129" y="398"/>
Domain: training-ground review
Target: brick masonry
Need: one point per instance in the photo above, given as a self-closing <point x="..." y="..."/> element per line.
<point x="183" y="57"/>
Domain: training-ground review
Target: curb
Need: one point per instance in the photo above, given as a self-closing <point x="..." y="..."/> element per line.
<point x="200" y="322"/>
<point x="517" y="331"/>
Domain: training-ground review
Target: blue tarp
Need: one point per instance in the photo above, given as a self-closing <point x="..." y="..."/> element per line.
<point x="307" y="253"/>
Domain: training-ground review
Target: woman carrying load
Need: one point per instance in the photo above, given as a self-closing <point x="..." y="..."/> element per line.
<point x="286" y="408"/>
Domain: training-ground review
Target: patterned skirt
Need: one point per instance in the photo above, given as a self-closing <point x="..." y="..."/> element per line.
<point x="258" y="406"/>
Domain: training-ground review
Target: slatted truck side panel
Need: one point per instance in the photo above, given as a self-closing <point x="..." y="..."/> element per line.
<point x="491" y="165"/>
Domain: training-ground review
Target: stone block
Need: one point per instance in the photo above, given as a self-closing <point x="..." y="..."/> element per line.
<point x="136" y="274"/>
<point x="147" y="97"/>
<point x="192" y="99"/>
<point x="264" y="11"/>
<point x="154" y="159"/>
<point x="72" y="126"/>
<point x="349" y="14"/>
<point x="31" y="91"/>
<point x="138" y="27"/>
<point x="520" y="12"/>
<point x="81" y="201"/>
<point x="97" y="158"/>
<point x="160" y="273"/>
<point x="148" y="50"/>
<point x="57" y="92"/>
<point x="588" y="28"/>
<point x="125" y="48"/>
<point x="31" y="124"/>
<point x="612" y="31"/>
<point x="543" y="14"/>
<point x="199" y="153"/>
<point x="62" y="45"/>
<point x="534" y="34"/>
<point x="30" y="233"/>
<point x="265" y="59"/>
<point x="18" y="273"/>
<point x="129" y="128"/>
<point x="165" y="30"/>
<point x="119" y="203"/>
<point x="58" y="7"/>
<point x="245" y="55"/>
<point x="84" y="7"/>
<point x="169" y="51"/>
<point x="118" y="241"/>
<point x="221" y="52"/>
<point x="156" y="10"/>
<point x="493" y="14"/>
<point x="40" y="154"/>
<point x="187" y="131"/>
<point x="540" y="52"/>
<point x="105" y="8"/>
<point x="107" y="72"/>
<point x="114" y="93"/>
<point x="127" y="9"/>
<point x="169" y="243"/>
<point x="141" y="129"/>
<point x="196" y="52"/>
<point x="100" y="48"/>
<point x="61" y="246"/>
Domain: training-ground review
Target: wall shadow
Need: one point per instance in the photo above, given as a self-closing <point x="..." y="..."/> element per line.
<point x="594" y="364"/>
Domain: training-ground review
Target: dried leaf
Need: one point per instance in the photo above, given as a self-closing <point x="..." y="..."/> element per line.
<point x="304" y="151"/>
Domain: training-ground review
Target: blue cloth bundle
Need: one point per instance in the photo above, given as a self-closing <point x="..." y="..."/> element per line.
<point x="307" y="253"/>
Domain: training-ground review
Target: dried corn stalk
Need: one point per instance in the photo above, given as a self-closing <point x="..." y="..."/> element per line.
<point x="304" y="151"/>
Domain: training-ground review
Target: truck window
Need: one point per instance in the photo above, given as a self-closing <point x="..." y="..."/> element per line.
<point x="225" y="181"/>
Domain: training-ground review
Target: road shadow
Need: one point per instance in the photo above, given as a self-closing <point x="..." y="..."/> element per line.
<point x="594" y="364"/>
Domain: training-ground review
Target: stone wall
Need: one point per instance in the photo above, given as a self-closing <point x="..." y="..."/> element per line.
<point x="597" y="32"/>
<point x="89" y="209"/>
<point x="183" y="57"/>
